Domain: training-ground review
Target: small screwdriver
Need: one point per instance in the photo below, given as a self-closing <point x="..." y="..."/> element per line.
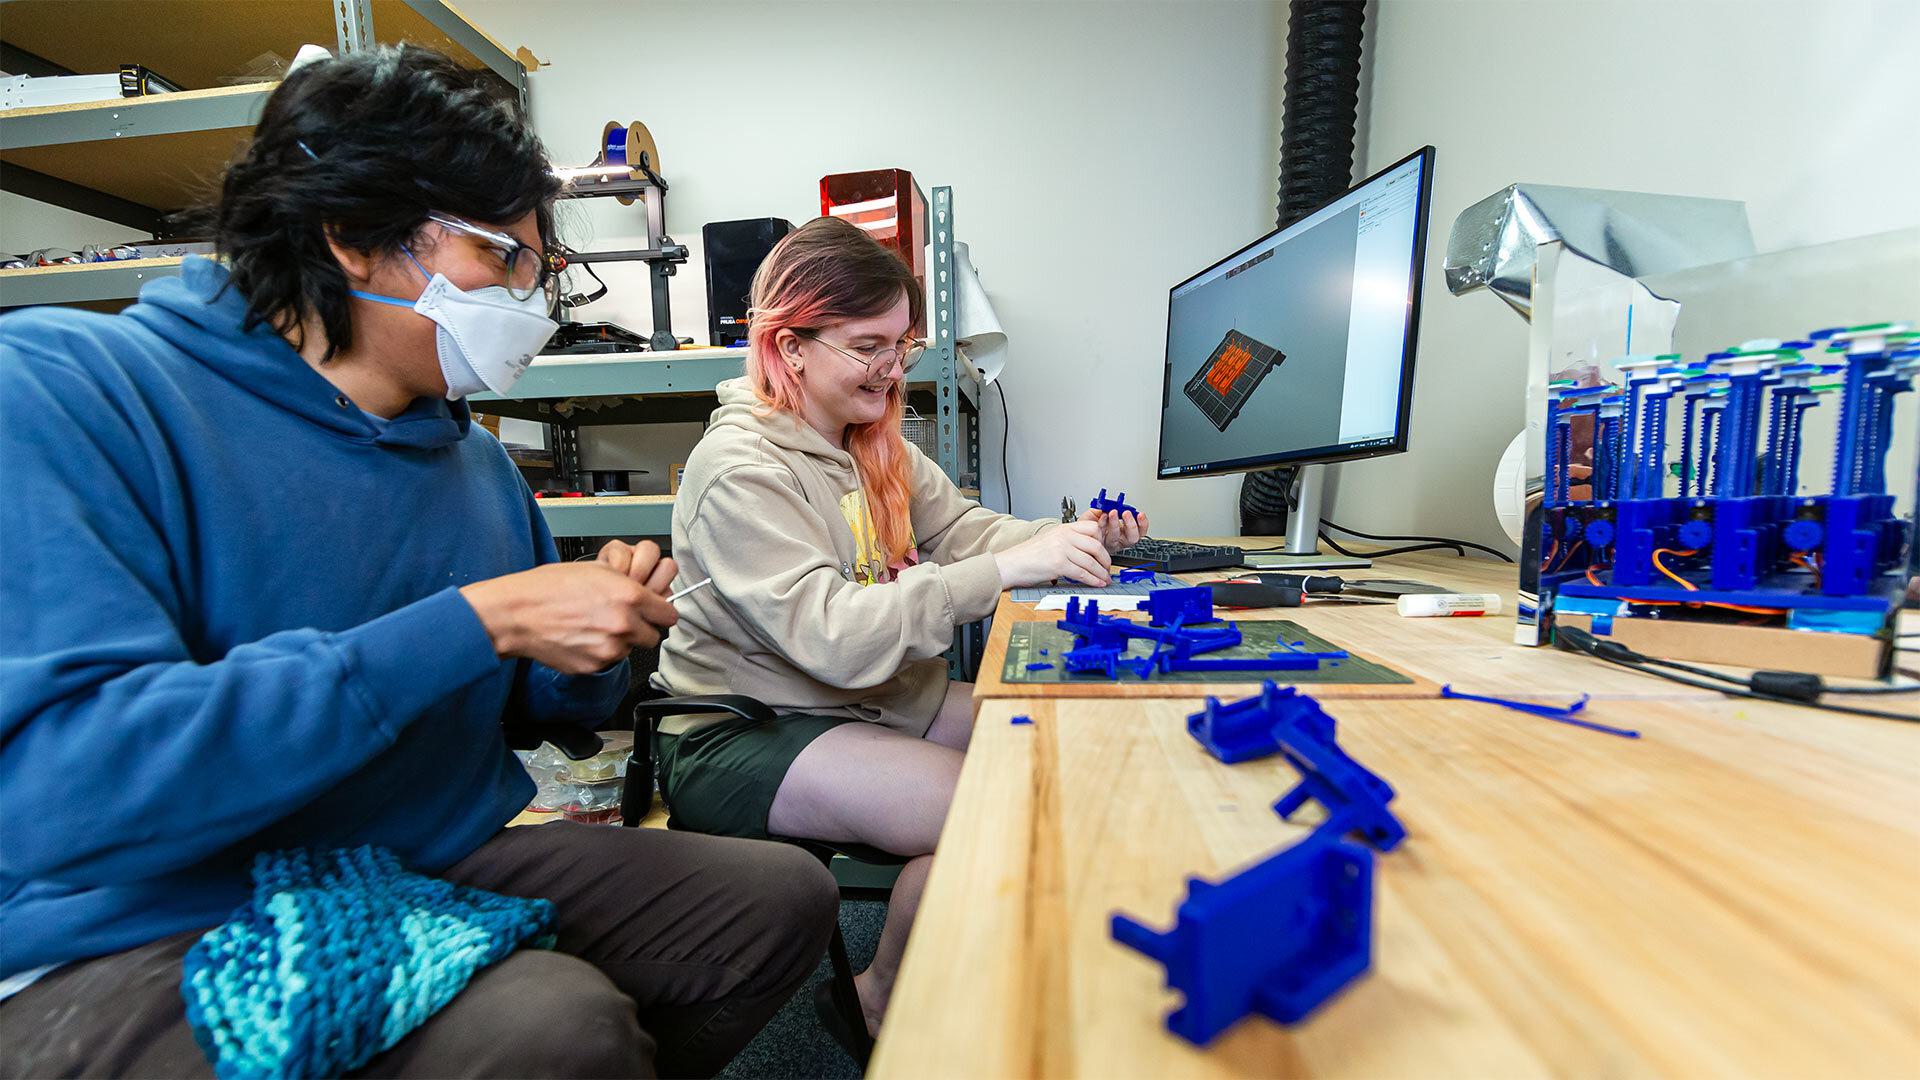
<point x="1312" y="583"/>
<point x="697" y="586"/>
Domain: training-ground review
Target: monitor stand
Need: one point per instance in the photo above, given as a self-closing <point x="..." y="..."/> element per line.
<point x="1302" y="551"/>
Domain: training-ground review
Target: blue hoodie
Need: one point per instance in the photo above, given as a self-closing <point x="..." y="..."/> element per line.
<point x="229" y="621"/>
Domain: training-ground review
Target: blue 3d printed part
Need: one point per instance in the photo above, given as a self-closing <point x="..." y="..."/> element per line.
<point x="1563" y="714"/>
<point x="1244" y="730"/>
<point x="1176" y="648"/>
<point x="1355" y="799"/>
<point x="1737" y="520"/>
<point x="1102" y="658"/>
<point x="1116" y="505"/>
<point x="1278" y="939"/>
<point x="1086" y="623"/>
<point x="1168" y="606"/>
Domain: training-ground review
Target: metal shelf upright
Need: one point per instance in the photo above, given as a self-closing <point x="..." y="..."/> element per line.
<point x="133" y="161"/>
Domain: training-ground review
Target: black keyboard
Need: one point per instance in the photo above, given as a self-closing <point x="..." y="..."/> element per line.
<point x="1178" y="556"/>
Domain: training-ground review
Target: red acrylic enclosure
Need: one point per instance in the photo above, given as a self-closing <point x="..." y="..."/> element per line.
<point x="888" y="205"/>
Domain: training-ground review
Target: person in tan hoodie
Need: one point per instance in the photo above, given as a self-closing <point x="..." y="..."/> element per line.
<point x="842" y="561"/>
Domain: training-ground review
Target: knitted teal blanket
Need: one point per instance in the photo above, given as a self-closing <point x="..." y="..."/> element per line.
<point x="339" y="955"/>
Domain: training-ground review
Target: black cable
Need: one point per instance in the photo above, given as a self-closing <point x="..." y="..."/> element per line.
<point x="1335" y="545"/>
<point x="1745" y="684"/>
<point x="1573" y="639"/>
<point x="1791" y="684"/>
<point x="1734" y="691"/>
<point x="1435" y="546"/>
<point x="1450" y="542"/>
<point x="580" y="299"/>
<point x="1006" y="471"/>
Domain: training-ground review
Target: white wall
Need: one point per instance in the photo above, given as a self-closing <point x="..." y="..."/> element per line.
<point x="27" y="225"/>
<point x="1806" y="110"/>
<point x="1098" y="153"/>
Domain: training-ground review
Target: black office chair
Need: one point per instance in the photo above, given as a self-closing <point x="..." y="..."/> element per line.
<point x="640" y="783"/>
<point x="636" y="799"/>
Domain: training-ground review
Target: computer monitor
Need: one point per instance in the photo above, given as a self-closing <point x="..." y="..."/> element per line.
<point x="1298" y="348"/>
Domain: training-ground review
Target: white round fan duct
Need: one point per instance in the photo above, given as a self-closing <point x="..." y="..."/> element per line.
<point x="1510" y="488"/>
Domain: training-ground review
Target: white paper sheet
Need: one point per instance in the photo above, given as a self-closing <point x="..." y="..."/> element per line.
<point x="1107" y="601"/>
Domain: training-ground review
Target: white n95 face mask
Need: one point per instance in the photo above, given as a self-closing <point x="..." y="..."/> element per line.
<point x="486" y="338"/>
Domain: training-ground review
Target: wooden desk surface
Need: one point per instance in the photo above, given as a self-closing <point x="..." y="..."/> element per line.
<point x="1733" y="893"/>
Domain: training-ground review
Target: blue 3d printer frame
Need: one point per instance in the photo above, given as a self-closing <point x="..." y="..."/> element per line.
<point x="1727" y="534"/>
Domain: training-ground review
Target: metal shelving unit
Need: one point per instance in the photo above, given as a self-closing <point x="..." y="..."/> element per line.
<point x="959" y="430"/>
<point x="88" y="284"/>
<point x="623" y="375"/>
<point x="612" y="515"/>
<point x="567" y="393"/>
<point x="570" y="392"/>
<point x="135" y="160"/>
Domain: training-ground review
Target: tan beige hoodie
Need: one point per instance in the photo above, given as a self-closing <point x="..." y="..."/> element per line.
<point x="768" y="508"/>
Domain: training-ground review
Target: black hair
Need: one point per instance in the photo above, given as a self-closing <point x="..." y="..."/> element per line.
<point x="363" y="147"/>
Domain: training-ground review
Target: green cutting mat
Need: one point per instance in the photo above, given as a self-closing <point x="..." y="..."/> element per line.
<point x="1258" y="638"/>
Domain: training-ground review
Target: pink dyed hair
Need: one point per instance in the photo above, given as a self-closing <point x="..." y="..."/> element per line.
<point x="823" y="272"/>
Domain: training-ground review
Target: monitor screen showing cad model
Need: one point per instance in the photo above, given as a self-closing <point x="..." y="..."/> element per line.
<point x="1299" y="346"/>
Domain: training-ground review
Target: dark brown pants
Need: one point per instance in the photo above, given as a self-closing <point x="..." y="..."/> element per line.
<point x="674" y="949"/>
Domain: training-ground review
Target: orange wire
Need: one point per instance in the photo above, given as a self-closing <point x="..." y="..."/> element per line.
<point x="1566" y="556"/>
<point x="1798" y="560"/>
<point x="1577" y="545"/>
<point x="1650" y="603"/>
<point x="1662" y="567"/>
<point x="1691" y="587"/>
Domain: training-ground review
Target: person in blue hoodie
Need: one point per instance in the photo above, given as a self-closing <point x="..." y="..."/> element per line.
<point x="264" y="586"/>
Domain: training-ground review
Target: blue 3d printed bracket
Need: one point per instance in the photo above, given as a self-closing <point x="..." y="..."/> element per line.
<point x="1278" y="939"/>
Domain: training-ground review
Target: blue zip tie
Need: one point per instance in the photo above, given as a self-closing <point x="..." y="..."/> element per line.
<point x="1561" y="714"/>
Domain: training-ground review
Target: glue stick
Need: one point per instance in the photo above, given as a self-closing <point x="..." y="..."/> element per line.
<point x="1446" y="605"/>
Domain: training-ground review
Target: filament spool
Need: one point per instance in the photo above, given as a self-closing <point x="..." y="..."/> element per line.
<point x="629" y="146"/>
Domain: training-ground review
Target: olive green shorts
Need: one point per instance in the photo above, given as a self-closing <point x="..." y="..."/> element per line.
<point x="720" y="779"/>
